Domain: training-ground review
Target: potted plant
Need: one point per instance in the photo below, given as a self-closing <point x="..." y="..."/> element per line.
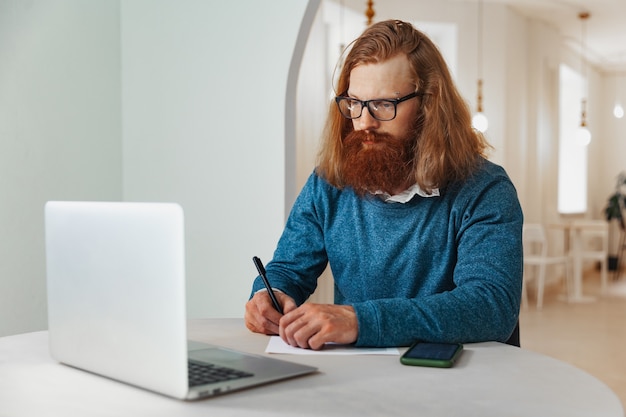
<point x="615" y="206"/>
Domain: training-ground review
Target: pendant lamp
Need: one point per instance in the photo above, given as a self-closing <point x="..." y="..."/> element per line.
<point x="479" y="120"/>
<point x="583" y="135"/>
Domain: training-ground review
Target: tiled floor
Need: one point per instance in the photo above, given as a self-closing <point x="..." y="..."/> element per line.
<point x="590" y="336"/>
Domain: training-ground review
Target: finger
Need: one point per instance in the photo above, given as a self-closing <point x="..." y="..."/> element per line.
<point x="260" y="316"/>
<point x="290" y="316"/>
<point x="298" y="338"/>
<point x="299" y="329"/>
<point x="266" y="307"/>
<point x="313" y="325"/>
<point x="302" y="336"/>
<point x="318" y="340"/>
<point x="256" y="322"/>
<point x="252" y="317"/>
<point x="288" y="303"/>
<point x="285" y="329"/>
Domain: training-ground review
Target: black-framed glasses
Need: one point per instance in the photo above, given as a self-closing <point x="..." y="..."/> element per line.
<point x="383" y="109"/>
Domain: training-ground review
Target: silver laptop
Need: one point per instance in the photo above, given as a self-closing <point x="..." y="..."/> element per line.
<point x="116" y="302"/>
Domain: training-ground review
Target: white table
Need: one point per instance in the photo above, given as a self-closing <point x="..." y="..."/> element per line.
<point x="573" y="245"/>
<point x="578" y="228"/>
<point x="490" y="379"/>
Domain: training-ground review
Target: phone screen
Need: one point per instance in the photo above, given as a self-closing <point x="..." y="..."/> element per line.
<point x="441" y="355"/>
<point x="440" y="351"/>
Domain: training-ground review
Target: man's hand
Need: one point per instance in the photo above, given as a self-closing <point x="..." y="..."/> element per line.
<point x="261" y="316"/>
<point x="312" y="325"/>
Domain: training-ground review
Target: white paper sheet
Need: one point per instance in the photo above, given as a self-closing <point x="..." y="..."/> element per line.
<point x="277" y="345"/>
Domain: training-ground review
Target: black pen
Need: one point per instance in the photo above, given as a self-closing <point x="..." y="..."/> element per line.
<point x="261" y="269"/>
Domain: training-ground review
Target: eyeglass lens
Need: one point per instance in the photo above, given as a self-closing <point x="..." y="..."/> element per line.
<point x="379" y="109"/>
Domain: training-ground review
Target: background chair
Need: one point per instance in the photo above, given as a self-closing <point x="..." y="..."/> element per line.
<point x="591" y="242"/>
<point x="620" y="249"/>
<point x="621" y="216"/>
<point x="514" y="339"/>
<point x="536" y="256"/>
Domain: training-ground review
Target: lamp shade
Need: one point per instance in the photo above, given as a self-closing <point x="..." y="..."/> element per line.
<point x="480" y="122"/>
<point x="583" y="135"/>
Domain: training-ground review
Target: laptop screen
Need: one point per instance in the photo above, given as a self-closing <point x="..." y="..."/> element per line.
<point x="116" y="291"/>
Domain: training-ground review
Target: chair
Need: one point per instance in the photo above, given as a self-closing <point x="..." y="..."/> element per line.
<point x="514" y="339"/>
<point x="535" y="242"/>
<point x="622" y="234"/>
<point x="620" y="249"/>
<point x="591" y="242"/>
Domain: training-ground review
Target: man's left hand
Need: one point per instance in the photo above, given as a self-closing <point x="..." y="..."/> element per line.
<point x="310" y="326"/>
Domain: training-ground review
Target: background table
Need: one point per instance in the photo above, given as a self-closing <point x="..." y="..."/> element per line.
<point x="573" y="247"/>
<point x="490" y="379"/>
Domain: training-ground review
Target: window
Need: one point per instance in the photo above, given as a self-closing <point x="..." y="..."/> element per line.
<point x="572" y="183"/>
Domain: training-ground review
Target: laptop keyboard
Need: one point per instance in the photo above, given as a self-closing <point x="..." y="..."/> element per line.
<point x="207" y="373"/>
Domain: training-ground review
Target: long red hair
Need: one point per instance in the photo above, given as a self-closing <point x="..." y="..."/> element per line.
<point x="447" y="148"/>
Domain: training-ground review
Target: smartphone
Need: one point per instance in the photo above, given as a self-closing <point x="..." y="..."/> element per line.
<point x="439" y="355"/>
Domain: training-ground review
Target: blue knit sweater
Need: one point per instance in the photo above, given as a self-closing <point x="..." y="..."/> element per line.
<point x="445" y="268"/>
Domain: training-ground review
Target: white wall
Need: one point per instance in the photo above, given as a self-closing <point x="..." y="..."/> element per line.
<point x="541" y="175"/>
<point x="59" y="133"/>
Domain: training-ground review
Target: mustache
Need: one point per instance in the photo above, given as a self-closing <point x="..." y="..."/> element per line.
<point x="360" y="136"/>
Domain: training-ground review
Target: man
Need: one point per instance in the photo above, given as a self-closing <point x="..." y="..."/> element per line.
<point x="422" y="233"/>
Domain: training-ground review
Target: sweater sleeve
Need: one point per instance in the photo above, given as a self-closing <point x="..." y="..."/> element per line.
<point x="487" y="274"/>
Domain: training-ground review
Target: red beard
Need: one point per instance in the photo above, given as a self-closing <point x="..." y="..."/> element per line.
<point x="385" y="165"/>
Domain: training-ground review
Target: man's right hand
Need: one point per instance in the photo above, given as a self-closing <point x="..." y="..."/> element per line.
<point x="261" y="316"/>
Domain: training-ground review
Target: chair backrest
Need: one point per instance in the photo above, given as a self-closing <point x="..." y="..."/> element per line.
<point x="534" y="239"/>
<point x="514" y="339"/>
<point x="622" y="210"/>
<point x="594" y="235"/>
